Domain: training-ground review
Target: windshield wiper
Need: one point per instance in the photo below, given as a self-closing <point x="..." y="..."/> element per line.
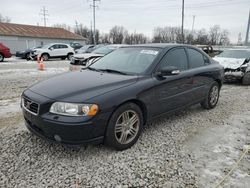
<point x="91" y="68"/>
<point x="113" y="71"/>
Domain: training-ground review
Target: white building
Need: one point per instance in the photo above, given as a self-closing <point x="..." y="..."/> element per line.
<point x="20" y="37"/>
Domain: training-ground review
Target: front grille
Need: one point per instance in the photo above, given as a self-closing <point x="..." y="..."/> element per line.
<point x="30" y="106"/>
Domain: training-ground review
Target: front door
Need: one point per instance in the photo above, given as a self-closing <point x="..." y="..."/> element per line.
<point x="173" y="92"/>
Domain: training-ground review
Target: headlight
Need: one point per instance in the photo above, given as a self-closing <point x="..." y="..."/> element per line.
<point x="72" y="109"/>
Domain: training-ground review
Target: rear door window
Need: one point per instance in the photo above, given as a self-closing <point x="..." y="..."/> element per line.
<point x="177" y="58"/>
<point x="196" y="59"/>
<point x="63" y="46"/>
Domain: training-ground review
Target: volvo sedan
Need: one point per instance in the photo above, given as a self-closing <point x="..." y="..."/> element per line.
<point x="110" y="101"/>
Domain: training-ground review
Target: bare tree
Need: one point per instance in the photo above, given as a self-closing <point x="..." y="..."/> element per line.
<point x="104" y="38"/>
<point x="117" y="34"/>
<point x="223" y="37"/>
<point x="239" y="40"/>
<point x="86" y="33"/>
<point x="63" y="26"/>
<point x="202" y="37"/>
<point x="135" y="38"/>
<point x="214" y="34"/>
<point x="5" y="19"/>
<point x="167" y="34"/>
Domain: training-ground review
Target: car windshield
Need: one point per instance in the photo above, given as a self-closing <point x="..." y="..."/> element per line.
<point x="239" y="54"/>
<point x="127" y="60"/>
<point x="46" y="46"/>
<point x="85" y="47"/>
<point x="103" y="50"/>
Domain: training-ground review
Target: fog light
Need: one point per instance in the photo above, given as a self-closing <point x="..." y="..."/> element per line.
<point x="57" y="138"/>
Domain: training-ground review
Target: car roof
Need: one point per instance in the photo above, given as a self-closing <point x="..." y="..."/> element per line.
<point x="160" y="45"/>
<point x="58" y="43"/>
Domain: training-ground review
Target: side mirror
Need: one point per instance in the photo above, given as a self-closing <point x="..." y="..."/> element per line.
<point x="168" y="71"/>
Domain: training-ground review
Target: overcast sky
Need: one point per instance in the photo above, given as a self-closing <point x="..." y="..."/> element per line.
<point x="135" y="15"/>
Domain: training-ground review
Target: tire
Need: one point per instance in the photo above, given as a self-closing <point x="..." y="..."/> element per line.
<point x="27" y="56"/>
<point x="246" y="79"/>
<point x="212" y="97"/>
<point x="1" y="57"/>
<point x="45" y="57"/>
<point x="121" y="134"/>
<point x="69" y="56"/>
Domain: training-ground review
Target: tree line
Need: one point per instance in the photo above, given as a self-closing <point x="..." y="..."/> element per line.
<point x="120" y="35"/>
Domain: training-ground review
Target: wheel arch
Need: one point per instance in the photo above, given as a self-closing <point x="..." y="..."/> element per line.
<point x="139" y="103"/>
<point x="45" y="53"/>
<point x="219" y="82"/>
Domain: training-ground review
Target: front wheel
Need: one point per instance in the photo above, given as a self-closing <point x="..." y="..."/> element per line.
<point x="124" y="127"/>
<point x="212" y="97"/>
<point x="246" y="79"/>
<point x="45" y="57"/>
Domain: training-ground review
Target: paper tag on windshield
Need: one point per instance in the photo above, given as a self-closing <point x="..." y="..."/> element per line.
<point x="151" y="52"/>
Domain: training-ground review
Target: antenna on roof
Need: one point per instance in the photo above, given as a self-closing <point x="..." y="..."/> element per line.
<point x="44" y="14"/>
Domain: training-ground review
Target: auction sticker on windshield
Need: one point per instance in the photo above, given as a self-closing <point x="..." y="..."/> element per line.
<point x="151" y="52"/>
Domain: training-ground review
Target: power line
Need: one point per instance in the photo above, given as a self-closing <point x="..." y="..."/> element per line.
<point x="193" y="24"/>
<point x="248" y="26"/>
<point x="44" y="14"/>
<point x="182" y="22"/>
<point x="94" y="6"/>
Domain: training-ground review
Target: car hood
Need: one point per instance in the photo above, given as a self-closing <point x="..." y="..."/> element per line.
<point x="81" y="86"/>
<point x="230" y="63"/>
<point x="87" y="55"/>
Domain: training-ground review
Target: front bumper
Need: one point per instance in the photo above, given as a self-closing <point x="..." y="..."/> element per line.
<point x="231" y="76"/>
<point x="64" y="129"/>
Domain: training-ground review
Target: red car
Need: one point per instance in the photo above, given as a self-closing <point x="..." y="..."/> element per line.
<point x="4" y="52"/>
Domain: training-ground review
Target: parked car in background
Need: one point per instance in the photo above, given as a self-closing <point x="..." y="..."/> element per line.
<point x="209" y="50"/>
<point x="236" y="63"/>
<point x="25" y="54"/>
<point x="4" y="52"/>
<point x="84" y="49"/>
<point x="78" y="61"/>
<point x="54" y="50"/>
<point x="90" y="50"/>
<point x="76" y="45"/>
<point x="111" y="100"/>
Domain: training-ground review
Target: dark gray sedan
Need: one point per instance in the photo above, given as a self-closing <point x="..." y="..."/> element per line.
<point x="110" y="101"/>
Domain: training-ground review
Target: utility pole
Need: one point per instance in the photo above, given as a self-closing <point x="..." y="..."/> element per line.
<point x="44" y="14"/>
<point x="94" y="6"/>
<point x="182" y="22"/>
<point x="248" y="26"/>
<point x="193" y="24"/>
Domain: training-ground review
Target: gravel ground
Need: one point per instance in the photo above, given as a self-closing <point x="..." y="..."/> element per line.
<point x="192" y="148"/>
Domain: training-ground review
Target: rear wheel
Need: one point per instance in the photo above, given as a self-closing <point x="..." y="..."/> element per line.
<point x="124" y="127"/>
<point x="45" y="57"/>
<point x="69" y="56"/>
<point x="246" y="79"/>
<point x="1" y="57"/>
<point x="212" y="96"/>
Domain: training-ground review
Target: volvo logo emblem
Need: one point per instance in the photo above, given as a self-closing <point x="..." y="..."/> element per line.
<point x="28" y="105"/>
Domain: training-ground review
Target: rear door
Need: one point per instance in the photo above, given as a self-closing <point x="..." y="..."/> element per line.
<point x="201" y="77"/>
<point x="173" y="92"/>
<point x="54" y="50"/>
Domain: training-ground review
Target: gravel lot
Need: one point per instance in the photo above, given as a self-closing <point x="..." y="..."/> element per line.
<point x="192" y="148"/>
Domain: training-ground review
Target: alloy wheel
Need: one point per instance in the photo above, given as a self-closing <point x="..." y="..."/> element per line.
<point x="214" y="95"/>
<point x="127" y="127"/>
